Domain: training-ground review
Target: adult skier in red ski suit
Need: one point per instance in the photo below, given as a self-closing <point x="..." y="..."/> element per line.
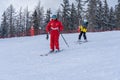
<point x="54" y="27"/>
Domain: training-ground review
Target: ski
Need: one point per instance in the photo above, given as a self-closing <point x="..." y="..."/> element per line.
<point x="49" y="53"/>
<point x="46" y="54"/>
<point x="80" y="42"/>
<point x="83" y="42"/>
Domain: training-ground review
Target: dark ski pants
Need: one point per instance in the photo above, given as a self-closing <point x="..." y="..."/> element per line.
<point x="84" y="35"/>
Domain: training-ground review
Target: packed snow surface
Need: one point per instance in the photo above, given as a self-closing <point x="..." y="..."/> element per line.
<point x="97" y="59"/>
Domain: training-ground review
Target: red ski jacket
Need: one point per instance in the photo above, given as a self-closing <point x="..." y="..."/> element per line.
<point x="54" y="26"/>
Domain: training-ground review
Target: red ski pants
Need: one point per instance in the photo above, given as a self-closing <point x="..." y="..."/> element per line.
<point x="54" y="40"/>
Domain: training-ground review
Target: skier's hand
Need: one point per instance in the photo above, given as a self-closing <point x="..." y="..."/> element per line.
<point x="60" y="31"/>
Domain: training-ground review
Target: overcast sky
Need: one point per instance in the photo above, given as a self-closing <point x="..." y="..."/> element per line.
<point x="53" y="4"/>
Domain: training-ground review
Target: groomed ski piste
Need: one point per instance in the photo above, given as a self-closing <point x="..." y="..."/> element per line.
<point x="98" y="59"/>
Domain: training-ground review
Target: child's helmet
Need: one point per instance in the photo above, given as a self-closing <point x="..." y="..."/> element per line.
<point x="85" y="20"/>
<point x="54" y="17"/>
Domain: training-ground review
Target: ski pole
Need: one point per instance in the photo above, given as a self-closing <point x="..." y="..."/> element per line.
<point x="65" y="41"/>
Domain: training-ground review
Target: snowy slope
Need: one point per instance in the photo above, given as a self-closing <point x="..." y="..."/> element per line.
<point x="98" y="59"/>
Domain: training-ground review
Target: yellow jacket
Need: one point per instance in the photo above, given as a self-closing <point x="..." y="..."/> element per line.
<point x="83" y="29"/>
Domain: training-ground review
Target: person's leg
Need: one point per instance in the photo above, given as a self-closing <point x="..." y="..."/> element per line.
<point x="84" y="35"/>
<point x="52" y="42"/>
<point x="56" y="39"/>
<point x="79" y="38"/>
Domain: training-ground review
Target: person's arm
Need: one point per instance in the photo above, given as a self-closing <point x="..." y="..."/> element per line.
<point x="48" y="27"/>
<point x="61" y="27"/>
<point x="47" y="30"/>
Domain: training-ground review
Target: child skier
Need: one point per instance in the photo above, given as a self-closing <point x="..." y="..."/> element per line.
<point x="83" y="29"/>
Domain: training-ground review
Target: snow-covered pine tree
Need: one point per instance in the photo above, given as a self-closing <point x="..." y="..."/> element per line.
<point x="117" y="13"/>
<point x="111" y="19"/>
<point x="73" y="18"/>
<point x="99" y="16"/>
<point x="47" y="17"/>
<point x="59" y="14"/>
<point x="91" y="13"/>
<point x="66" y="14"/>
<point x="10" y="12"/>
<point x="35" y="22"/>
<point x="79" y="6"/>
<point x="19" y="22"/>
<point x="40" y="14"/>
<point x="27" y="19"/>
<point x="4" y="26"/>
<point x="105" y="16"/>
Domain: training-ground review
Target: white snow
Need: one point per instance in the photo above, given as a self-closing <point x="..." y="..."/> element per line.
<point x="98" y="59"/>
